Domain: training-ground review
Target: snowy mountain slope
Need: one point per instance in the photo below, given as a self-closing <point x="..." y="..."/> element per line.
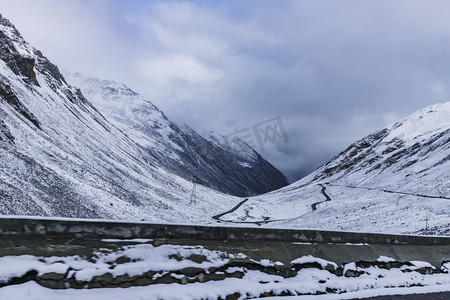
<point x="209" y="159"/>
<point x="60" y="157"/>
<point x="395" y="180"/>
<point x="412" y="155"/>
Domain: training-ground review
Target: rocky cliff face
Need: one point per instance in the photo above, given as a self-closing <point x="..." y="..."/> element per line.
<point x="209" y="160"/>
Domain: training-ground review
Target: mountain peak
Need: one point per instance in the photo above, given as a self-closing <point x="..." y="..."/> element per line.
<point x="422" y="124"/>
<point x="16" y="52"/>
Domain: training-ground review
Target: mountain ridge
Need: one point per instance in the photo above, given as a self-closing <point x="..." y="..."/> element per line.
<point x="209" y="159"/>
<point x="409" y="139"/>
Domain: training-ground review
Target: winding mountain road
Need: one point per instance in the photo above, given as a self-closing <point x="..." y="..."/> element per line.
<point x="259" y="223"/>
<point x="267" y="220"/>
<point x="314" y="205"/>
<point x="217" y="217"/>
<point x="324" y="193"/>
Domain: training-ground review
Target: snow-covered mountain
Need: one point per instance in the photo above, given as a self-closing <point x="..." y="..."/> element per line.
<point x="211" y="159"/>
<point x="60" y="157"/>
<point x="395" y="180"/>
<point x="412" y="155"/>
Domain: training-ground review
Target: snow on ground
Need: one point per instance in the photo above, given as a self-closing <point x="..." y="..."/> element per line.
<point x="254" y="284"/>
<point x="33" y="291"/>
<point x="372" y="293"/>
<point x="170" y="260"/>
<point x="351" y="209"/>
<point x="138" y="260"/>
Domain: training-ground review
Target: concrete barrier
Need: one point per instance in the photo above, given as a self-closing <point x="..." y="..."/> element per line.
<point x="259" y="243"/>
<point x="128" y="230"/>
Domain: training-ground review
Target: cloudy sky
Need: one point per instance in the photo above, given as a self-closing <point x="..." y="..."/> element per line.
<point x="332" y="71"/>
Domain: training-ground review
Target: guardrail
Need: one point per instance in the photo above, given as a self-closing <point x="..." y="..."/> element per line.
<point x="260" y="243"/>
<point x="128" y="230"/>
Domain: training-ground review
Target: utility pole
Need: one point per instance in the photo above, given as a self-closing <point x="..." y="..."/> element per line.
<point x="193" y="193"/>
<point x="193" y="199"/>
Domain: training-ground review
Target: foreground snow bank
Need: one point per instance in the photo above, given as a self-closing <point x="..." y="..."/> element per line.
<point x="145" y="271"/>
<point x="253" y="284"/>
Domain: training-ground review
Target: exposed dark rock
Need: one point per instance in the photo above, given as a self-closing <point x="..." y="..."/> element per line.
<point x="52" y="276"/>
<point x="191" y="272"/>
<point x="5" y="134"/>
<point x="7" y="95"/>
<point x="28" y="276"/>
<point x="46" y="67"/>
<point x="22" y="66"/>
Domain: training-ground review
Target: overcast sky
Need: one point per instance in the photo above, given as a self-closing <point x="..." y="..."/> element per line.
<point x="333" y="71"/>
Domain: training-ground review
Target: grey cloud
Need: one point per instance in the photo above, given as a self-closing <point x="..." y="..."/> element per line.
<point x="334" y="71"/>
